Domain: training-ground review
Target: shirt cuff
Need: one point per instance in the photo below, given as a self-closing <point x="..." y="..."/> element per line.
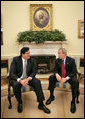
<point x="18" y="79"/>
<point x="30" y="77"/>
<point x="67" y="77"/>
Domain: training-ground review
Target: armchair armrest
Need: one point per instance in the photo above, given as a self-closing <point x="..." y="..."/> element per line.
<point x="79" y="72"/>
<point x="7" y="75"/>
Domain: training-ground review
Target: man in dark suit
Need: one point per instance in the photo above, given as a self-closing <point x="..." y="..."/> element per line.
<point x="22" y="72"/>
<point x="64" y="71"/>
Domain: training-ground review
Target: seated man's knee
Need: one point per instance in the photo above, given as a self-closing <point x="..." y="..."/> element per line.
<point x="37" y="81"/>
<point x="75" y="83"/>
<point x="51" y="78"/>
<point x="16" y="85"/>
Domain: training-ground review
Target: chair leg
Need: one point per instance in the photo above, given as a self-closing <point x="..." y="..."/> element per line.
<point x="9" y="99"/>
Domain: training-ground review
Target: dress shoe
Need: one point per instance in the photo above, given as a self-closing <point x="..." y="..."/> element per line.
<point x="49" y="100"/>
<point x="44" y="108"/>
<point x="20" y="107"/>
<point x="73" y="107"/>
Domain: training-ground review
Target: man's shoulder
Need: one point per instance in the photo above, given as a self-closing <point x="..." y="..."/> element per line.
<point x="31" y="59"/>
<point x="69" y="58"/>
<point x="16" y="58"/>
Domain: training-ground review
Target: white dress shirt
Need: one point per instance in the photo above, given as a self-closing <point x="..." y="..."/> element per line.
<point x="64" y="65"/>
<point x="23" y="60"/>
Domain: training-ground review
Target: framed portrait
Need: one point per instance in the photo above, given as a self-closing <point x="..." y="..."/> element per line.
<point x="41" y="17"/>
<point x="80" y="28"/>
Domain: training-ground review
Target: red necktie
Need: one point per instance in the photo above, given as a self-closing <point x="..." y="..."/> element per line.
<point x="63" y="69"/>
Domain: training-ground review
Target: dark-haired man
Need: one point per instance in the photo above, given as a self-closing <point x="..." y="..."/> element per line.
<point x="22" y="72"/>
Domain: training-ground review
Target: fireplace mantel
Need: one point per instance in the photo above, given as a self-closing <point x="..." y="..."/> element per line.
<point x="47" y="42"/>
<point x="48" y="47"/>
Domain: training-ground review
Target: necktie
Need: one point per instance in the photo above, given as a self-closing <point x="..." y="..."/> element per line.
<point x="63" y="69"/>
<point x="24" y="69"/>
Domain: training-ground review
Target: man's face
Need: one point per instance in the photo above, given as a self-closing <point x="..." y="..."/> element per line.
<point x="41" y="15"/>
<point x="61" y="55"/>
<point x="26" y="55"/>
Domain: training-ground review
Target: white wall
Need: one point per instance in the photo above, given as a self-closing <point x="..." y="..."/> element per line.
<point x="16" y="18"/>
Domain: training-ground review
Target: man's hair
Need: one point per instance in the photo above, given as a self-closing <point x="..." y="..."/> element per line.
<point x="64" y="51"/>
<point x="24" y="50"/>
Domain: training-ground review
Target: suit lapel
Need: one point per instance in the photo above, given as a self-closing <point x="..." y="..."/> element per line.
<point x="28" y="65"/>
<point x="21" y="64"/>
<point x="66" y="63"/>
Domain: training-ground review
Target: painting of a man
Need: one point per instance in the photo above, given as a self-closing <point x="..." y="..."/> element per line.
<point x="41" y="17"/>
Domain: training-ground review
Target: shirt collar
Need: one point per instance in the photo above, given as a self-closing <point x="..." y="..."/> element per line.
<point x="23" y="59"/>
<point x="64" y="60"/>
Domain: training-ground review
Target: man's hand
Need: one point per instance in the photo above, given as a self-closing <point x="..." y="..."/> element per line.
<point x="28" y="79"/>
<point x="63" y="80"/>
<point x="58" y="77"/>
<point x="24" y="82"/>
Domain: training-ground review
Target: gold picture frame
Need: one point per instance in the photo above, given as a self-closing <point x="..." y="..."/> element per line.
<point x="80" y="28"/>
<point x="1" y="30"/>
<point x="1" y="38"/>
<point x="40" y="17"/>
<point x="1" y="21"/>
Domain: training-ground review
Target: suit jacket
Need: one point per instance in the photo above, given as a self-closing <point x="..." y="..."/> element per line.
<point x="16" y="68"/>
<point x="70" y="67"/>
